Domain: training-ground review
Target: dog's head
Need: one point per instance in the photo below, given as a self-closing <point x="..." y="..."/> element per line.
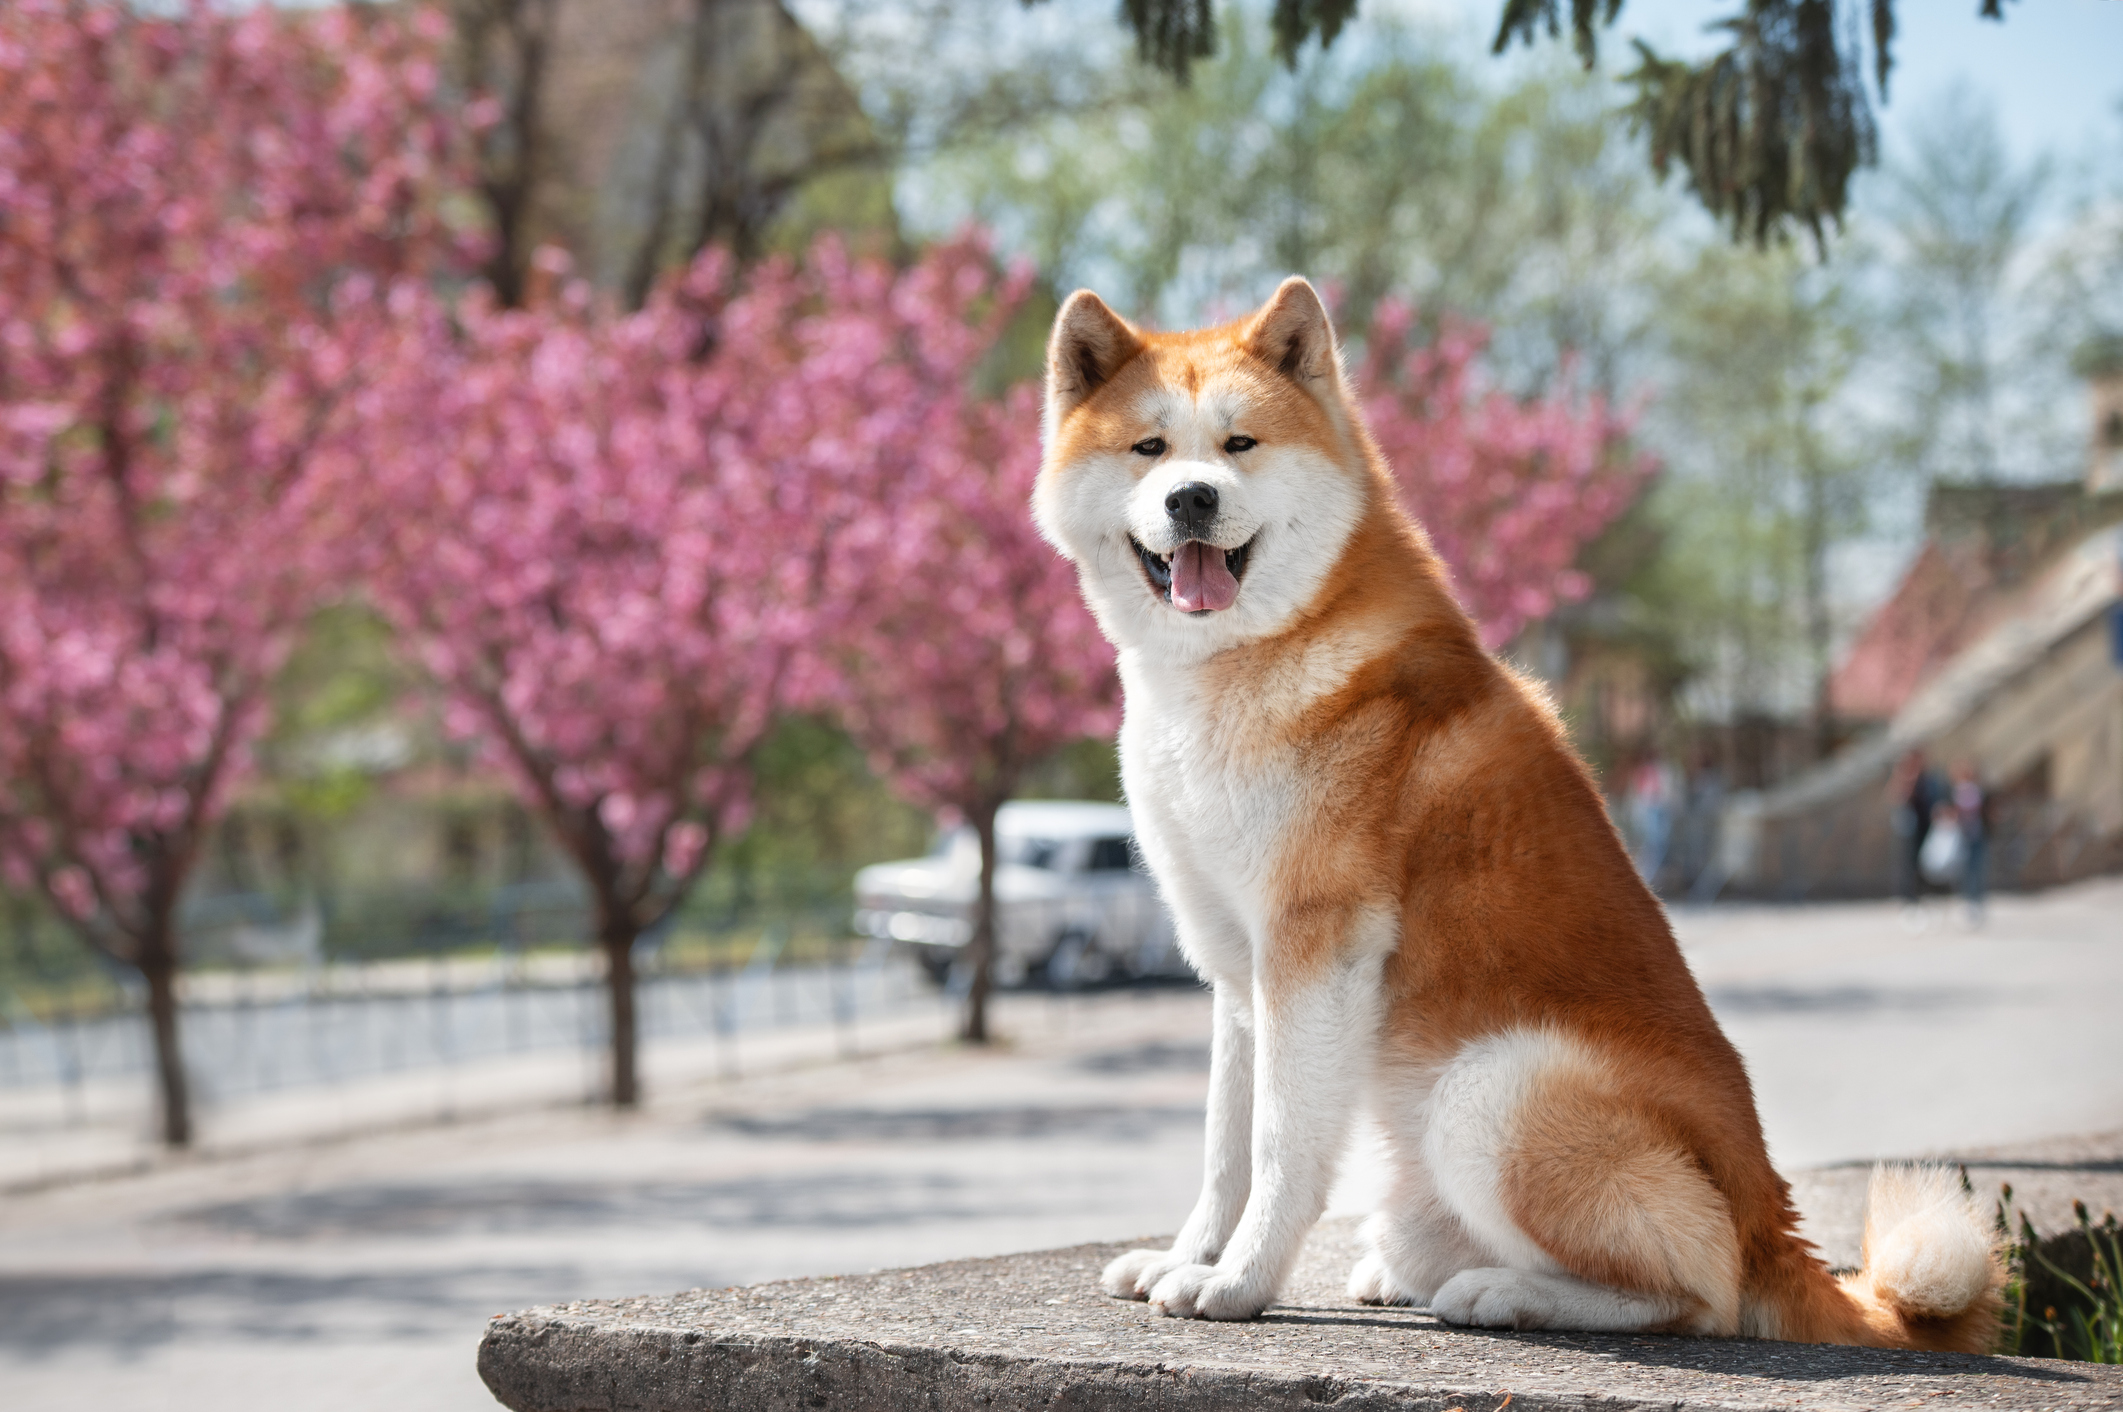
<point x="1204" y="483"/>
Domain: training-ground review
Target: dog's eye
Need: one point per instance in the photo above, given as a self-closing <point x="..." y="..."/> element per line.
<point x="1150" y="446"/>
<point x="1240" y="443"/>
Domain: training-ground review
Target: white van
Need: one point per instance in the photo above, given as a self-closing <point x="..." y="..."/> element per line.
<point x="1072" y="907"/>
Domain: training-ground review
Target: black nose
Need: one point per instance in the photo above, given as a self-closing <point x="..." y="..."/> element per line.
<point x="1192" y="504"/>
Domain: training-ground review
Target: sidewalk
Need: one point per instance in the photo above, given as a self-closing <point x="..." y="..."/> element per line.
<point x="1866" y="1038"/>
<point x="362" y="1272"/>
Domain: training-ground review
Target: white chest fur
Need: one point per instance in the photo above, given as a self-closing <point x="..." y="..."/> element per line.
<point x="1211" y="817"/>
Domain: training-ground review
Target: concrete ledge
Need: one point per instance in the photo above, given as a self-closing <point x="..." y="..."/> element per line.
<point x="1031" y="1331"/>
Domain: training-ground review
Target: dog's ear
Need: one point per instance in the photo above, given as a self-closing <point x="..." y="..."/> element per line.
<point x="1291" y="334"/>
<point x="1088" y="346"/>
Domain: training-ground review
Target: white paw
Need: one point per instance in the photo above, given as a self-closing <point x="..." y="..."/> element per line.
<point x="1131" y="1276"/>
<point x="1203" y="1292"/>
<point x="1492" y="1299"/>
<point x="1370" y="1284"/>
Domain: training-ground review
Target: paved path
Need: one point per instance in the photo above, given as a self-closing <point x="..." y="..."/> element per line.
<point x="1866" y="1038"/>
<point x="358" y="1274"/>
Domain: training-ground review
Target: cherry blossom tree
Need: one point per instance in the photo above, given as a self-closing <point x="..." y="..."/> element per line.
<point x="1510" y="491"/>
<point x="596" y="556"/>
<point x="197" y="211"/>
<point x="965" y="654"/>
<point x="624" y="542"/>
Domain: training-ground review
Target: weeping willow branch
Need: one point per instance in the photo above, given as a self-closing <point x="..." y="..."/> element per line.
<point x="1172" y="34"/>
<point x="1769" y="132"/>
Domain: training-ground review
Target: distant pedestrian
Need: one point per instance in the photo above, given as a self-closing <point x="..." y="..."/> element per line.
<point x="1653" y="793"/>
<point x="1970" y="803"/>
<point x="1912" y="794"/>
<point x="1706" y="807"/>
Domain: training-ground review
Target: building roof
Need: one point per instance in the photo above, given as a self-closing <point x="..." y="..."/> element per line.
<point x="1985" y="547"/>
<point x="2079" y="585"/>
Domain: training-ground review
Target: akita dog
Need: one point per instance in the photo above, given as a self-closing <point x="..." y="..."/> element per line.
<point x="1400" y="881"/>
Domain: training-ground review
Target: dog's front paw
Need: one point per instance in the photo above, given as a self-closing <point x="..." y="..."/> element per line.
<point x="1369" y="1283"/>
<point x="1492" y="1299"/>
<point x="1203" y="1292"/>
<point x="1132" y="1276"/>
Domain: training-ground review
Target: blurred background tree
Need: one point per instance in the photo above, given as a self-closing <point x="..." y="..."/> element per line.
<point x="1769" y="131"/>
<point x="1394" y="162"/>
<point x="1768" y="477"/>
<point x="188" y="313"/>
<point x="636" y="134"/>
<point x="1500" y="217"/>
<point x="1960" y="217"/>
<point x="1376" y="168"/>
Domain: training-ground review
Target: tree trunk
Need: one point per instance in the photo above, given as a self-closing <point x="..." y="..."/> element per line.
<point x="158" y="966"/>
<point x="1820" y="630"/>
<point x="980" y="951"/>
<point x="615" y="933"/>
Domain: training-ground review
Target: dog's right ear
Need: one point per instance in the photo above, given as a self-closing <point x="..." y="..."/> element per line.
<point x="1088" y="346"/>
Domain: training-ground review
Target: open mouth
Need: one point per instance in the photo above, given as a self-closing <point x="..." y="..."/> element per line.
<point x="1197" y="577"/>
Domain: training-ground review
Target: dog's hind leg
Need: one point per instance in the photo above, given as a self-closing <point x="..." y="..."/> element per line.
<point x="1414" y="1242"/>
<point x="1600" y="1217"/>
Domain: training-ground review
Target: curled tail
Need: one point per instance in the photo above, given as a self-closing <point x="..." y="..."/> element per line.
<point x="1933" y="1274"/>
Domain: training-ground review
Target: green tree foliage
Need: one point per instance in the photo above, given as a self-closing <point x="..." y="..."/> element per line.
<point x="818" y="814"/>
<point x="1379" y="167"/>
<point x="1975" y="394"/>
<point x="1173" y="34"/>
<point x="2080" y="281"/>
<point x="1767" y="475"/>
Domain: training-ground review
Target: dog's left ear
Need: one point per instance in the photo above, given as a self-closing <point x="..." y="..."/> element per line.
<point x="1089" y="345"/>
<point x="1292" y="334"/>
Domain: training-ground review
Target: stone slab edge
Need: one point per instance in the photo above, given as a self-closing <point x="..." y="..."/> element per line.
<point x="548" y="1364"/>
<point x="1030" y="1331"/>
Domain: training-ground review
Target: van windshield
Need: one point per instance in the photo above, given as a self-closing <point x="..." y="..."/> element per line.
<point x="1112" y="855"/>
<point x="961" y="847"/>
<point x="1028" y="852"/>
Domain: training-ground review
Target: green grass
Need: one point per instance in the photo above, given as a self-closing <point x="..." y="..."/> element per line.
<point x="2064" y="1298"/>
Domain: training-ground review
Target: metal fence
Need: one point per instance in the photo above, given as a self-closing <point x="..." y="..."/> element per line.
<point x="258" y="1030"/>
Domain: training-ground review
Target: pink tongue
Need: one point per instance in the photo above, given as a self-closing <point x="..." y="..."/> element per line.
<point x="1199" y="578"/>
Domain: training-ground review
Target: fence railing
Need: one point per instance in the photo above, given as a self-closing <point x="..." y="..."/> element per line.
<point x="256" y="1030"/>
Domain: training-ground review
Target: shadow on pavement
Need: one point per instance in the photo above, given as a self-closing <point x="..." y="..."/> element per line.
<point x="1847" y="999"/>
<point x="131" y="1314"/>
<point x="1795" y="1362"/>
<point x="1152" y="1056"/>
<point x="1096" y="1121"/>
<point x="824" y="1199"/>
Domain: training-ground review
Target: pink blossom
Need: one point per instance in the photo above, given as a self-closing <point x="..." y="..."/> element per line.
<point x="1509" y="491"/>
<point x="195" y="206"/>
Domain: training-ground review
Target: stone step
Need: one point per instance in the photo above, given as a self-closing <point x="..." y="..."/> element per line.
<point x="1032" y="1331"/>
